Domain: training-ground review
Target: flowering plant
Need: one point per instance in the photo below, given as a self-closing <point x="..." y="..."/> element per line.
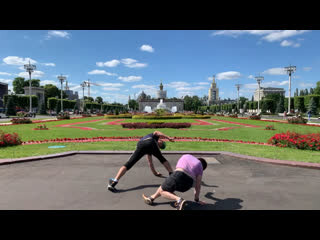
<point x="8" y="139"/>
<point x="269" y="127"/>
<point x="296" y="140"/>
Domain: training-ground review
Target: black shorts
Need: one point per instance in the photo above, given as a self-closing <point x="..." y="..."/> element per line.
<point x="177" y="181"/>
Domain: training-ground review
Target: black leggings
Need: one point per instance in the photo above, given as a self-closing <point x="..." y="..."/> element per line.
<point x="149" y="146"/>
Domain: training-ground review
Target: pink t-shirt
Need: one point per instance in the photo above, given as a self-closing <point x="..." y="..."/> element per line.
<point x="191" y="165"/>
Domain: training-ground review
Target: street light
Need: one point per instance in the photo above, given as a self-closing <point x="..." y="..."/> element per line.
<point x="83" y="85"/>
<point x="30" y="68"/>
<point x="289" y="70"/>
<point x="259" y="79"/>
<point x="61" y="78"/>
<point x="238" y="88"/>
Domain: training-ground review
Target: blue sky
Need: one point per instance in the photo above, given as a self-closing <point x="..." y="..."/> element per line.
<point x="125" y="62"/>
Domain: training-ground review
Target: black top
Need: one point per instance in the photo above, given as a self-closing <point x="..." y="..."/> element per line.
<point x="149" y="136"/>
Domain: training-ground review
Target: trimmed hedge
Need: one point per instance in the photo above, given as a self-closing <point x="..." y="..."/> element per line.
<point x="255" y="117"/>
<point x="297" y="120"/>
<point x="193" y="116"/>
<point x="118" y="116"/>
<point x="20" y="120"/>
<point x="156" y="125"/>
<point x="155" y="117"/>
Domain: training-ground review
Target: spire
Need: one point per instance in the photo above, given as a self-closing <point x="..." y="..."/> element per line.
<point x="161" y="86"/>
<point x="213" y="79"/>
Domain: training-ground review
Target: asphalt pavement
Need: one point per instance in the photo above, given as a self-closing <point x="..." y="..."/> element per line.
<point x="79" y="182"/>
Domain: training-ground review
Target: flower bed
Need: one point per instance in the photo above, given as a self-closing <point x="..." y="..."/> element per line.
<point x="296" y="140"/>
<point x="255" y="117"/>
<point x="7" y="139"/>
<point x="41" y="127"/>
<point x="156" y="125"/>
<point x="137" y="138"/>
<point x="155" y="117"/>
<point x="118" y="116"/>
<point x="21" y="120"/>
<point x="270" y="127"/>
<point x="297" y="120"/>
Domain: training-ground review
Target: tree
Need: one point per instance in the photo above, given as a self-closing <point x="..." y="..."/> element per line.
<point x="34" y="83"/>
<point x="10" y="107"/>
<point x="317" y="89"/>
<point x="196" y="103"/>
<point x="51" y="90"/>
<point x="311" y="91"/>
<point x="313" y="106"/>
<point x="18" y="84"/>
<point x="301" y="92"/>
<point x="280" y="105"/>
<point x="133" y="104"/>
<point x="296" y="94"/>
<point x="89" y="99"/>
<point x="99" y="100"/>
<point x="306" y="93"/>
<point x="187" y="103"/>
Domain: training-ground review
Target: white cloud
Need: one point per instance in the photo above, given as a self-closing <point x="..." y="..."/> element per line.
<point x="35" y="74"/>
<point x="228" y="75"/>
<point x="111" y="89"/>
<point x="60" y="34"/>
<point x="286" y="43"/>
<point x="275" y="83"/>
<point x="147" y="48"/>
<point x="101" y="72"/>
<point x="251" y="77"/>
<point x="252" y="86"/>
<point x="144" y="86"/>
<point x="202" y="83"/>
<point x="268" y="35"/>
<point x="14" y="60"/>
<point x="111" y="84"/>
<point x="307" y="69"/>
<point x="49" y="64"/>
<point x="45" y="82"/>
<point x="275" y="71"/>
<point x="8" y="81"/>
<point x="130" y="78"/>
<point x="280" y="35"/>
<point x="4" y="73"/>
<point x="132" y="63"/>
<point x="112" y="63"/>
<point x="306" y="85"/>
<point x="177" y="84"/>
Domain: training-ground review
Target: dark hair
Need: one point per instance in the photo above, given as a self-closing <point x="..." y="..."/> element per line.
<point x="203" y="162"/>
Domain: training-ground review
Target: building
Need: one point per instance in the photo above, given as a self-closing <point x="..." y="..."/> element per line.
<point x="37" y="91"/>
<point x="265" y="91"/>
<point x="172" y="105"/>
<point x="3" y="91"/>
<point x="213" y="94"/>
<point x="70" y="94"/>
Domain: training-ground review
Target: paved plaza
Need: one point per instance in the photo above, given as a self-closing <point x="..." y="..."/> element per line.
<point x="78" y="182"/>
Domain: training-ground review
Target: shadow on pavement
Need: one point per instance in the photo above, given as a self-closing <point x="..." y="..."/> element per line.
<point x="138" y="188"/>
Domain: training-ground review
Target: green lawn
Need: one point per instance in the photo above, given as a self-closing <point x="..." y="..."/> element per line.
<point x="26" y="133"/>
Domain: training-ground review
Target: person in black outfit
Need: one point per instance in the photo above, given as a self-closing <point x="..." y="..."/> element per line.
<point x="148" y="145"/>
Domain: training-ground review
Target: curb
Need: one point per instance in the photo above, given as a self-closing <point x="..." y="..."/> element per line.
<point x="245" y="157"/>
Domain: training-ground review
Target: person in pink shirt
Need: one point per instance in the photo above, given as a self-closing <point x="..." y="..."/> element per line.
<point x="188" y="174"/>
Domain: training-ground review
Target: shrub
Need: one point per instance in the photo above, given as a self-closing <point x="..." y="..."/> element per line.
<point x="192" y="116"/>
<point x="297" y="120"/>
<point x="255" y="117"/>
<point x="86" y="115"/>
<point x="20" y="120"/>
<point x="64" y="115"/>
<point x="296" y="140"/>
<point x="269" y="127"/>
<point x="156" y="117"/>
<point x="156" y="125"/>
<point x="233" y="115"/>
<point x="41" y="127"/>
<point x="7" y="139"/>
<point x="126" y="115"/>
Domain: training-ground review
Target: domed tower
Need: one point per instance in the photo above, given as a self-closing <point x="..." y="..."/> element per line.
<point x="213" y="94"/>
<point x="160" y="93"/>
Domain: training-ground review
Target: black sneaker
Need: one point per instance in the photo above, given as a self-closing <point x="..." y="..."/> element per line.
<point x="147" y="200"/>
<point x="180" y="204"/>
<point x="112" y="184"/>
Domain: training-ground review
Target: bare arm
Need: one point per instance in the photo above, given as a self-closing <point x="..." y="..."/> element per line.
<point x="149" y="157"/>
<point x="160" y="134"/>
<point x="197" y="189"/>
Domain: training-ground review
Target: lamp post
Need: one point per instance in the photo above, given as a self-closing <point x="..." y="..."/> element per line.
<point x="30" y="68"/>
<point x="83" y="86"/>
<point x="61" y="78"/>
<point x="238" y="88"/>
<point x="290" y="70"/>
<point x="259" y="79"/>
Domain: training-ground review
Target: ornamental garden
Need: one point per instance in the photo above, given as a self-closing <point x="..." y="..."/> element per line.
<point x="278" y="139"/>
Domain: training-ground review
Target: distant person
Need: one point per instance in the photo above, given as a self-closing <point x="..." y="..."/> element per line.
<point x="148" y="145"/>
<point x="284" y="115"/>
<point x="188" y="174"/>
<point x="309" y="115"/>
